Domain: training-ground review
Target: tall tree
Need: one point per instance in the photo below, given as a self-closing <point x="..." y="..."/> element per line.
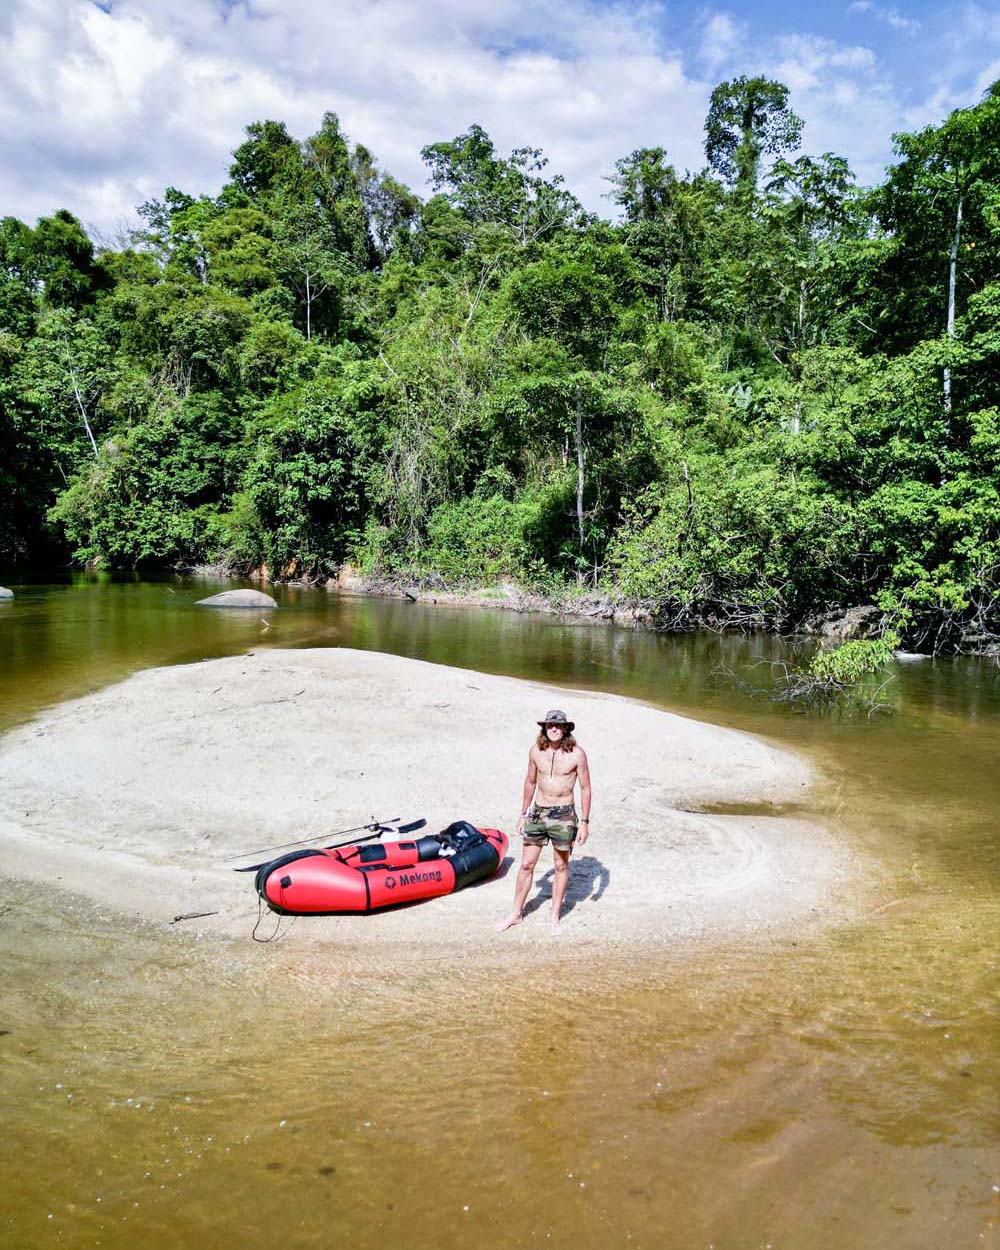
<point x="268" y="161"/>
<point x="666" y="219"/>
<point x="806" y="206"/>
<point x="175" y="231"/>
<point x="940" y="206"/>
<point x="391" y="208"/>
<point x="334" y="189"/>
<point x="748" y="118"/>
<point x="487" y="188"/>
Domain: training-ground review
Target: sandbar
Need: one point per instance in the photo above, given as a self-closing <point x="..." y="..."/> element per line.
<point x="137" y="797"/>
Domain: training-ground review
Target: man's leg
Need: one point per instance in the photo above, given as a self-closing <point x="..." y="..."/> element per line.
<point x="560" y="862"/>
<point x="525" y="874"/>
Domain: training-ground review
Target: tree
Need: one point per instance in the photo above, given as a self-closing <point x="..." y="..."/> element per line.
<point x="666" y="221"/>
<point x="333" y="189"/>
<point x="17" y="277"/>
<point x="391" y="209"/>
<point x="644" y="185"/>
<point x="571" y="301"/>
<point x="310" y="261"/>
<point x="941" y="208"/>
<point x="807" y="204"/>
<point x="748" y="118"/>
<point x="175" y="231"/>
<point x="269" y="160"/>
<point x="487" y="188"/>
<point x="473" y="178"/>
<point x="239" y="250"/>
<point x="66" y="373"/>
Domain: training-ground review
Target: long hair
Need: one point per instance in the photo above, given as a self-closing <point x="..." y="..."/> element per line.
<point x="567" y="744"/>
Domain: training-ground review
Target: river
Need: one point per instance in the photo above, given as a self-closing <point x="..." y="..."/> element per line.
<point x="826" y="1092"/>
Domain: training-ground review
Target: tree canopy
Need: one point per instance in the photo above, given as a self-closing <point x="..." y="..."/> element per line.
<point x="760" y="393"/>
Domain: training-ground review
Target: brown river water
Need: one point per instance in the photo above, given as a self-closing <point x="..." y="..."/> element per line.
<point x="834" y="1090"/>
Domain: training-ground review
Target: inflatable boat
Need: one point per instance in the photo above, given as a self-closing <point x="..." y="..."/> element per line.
<point x="367" y="878"/>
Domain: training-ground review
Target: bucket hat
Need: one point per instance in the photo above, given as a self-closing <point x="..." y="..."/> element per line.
<point x="555" y="717"/>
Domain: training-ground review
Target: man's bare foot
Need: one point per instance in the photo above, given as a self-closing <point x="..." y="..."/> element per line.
<point x="513" y="919"/>
<point x="555" y="927"/>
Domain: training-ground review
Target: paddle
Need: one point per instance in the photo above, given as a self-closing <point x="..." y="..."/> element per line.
<point x="376" y="827"/>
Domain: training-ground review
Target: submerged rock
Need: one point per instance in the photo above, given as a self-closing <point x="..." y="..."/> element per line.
<point x="5" y="593"/>
<point x="238" y="599"/>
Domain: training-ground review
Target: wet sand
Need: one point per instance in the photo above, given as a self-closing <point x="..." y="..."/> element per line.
<point x="136" y="796"/>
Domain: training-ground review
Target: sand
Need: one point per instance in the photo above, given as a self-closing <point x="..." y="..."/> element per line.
<point x="136" y="796"/>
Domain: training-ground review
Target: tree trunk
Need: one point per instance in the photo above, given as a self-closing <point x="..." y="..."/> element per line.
<point x="83" y="409"/>
<point x="802" y="316"/>
<point x="952" y="267"/>
<point x="308" y="309"/>
<point x="579" y="473"/>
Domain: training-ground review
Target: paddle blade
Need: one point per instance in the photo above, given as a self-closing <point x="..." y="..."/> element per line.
<point x="414" y="824"/>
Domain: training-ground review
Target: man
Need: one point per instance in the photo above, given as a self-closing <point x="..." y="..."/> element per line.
<point x="555" y="764"/>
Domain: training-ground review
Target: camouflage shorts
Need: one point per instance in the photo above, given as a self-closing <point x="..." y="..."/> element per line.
<point x="551" y="824"/>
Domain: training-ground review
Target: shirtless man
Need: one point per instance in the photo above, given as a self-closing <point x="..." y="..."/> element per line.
<point x="555" y="764"/>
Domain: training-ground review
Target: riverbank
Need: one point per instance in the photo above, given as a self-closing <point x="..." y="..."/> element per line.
<point x="138" y="795"/>
<point x="506" y="595"/>
<point x="831" y="626"/>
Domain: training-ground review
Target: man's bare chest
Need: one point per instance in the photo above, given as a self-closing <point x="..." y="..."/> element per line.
<point x="556" y="765"/>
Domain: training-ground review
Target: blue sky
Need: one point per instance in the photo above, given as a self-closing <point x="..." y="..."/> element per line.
<point x="103" y="105"/>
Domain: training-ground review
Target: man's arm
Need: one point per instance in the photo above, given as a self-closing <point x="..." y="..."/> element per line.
<point x="529" y="789"/>
<point x="583" y="776"/>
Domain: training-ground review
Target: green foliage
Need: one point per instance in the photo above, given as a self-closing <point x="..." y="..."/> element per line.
<point x="747" y="119"/>
<point x="480" y="539"/>
<point x="841" y="678"/>
<point x="730" y="404"/>
<point x="739" y="542"/>
<point x="148" y="497"/>
<point x="486" y="188"/>
<point x="302" y="496"/>
<point x="853" y="661"/>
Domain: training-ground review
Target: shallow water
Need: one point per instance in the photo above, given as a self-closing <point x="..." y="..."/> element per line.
<point x="834" y="1091"/>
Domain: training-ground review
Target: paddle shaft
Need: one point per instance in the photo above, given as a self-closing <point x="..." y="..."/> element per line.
<point x="336" y="846"/>
<point x="374" y="825"/>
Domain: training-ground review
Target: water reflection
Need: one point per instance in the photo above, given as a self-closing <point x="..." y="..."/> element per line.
<point x="928" y="773"/>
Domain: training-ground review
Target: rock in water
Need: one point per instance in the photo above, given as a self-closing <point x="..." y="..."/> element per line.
<point x="5" y="593"/>
<point x="238" y="599"/>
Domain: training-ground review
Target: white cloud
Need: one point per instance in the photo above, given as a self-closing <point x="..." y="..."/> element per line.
<point x="721" y="40"/>
<point x="104" y="109"/>
<point x="908" y="25"/>
<point x="846" y="98"/>
<point x="987" y="77"/>
<point x="101" y="108"/>
<point x="891" y="16"/>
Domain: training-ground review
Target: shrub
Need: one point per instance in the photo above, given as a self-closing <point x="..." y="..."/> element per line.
<point x="479" y="539"/>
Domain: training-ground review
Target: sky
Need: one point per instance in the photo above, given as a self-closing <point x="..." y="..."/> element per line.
<point x="103" y="105"/>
